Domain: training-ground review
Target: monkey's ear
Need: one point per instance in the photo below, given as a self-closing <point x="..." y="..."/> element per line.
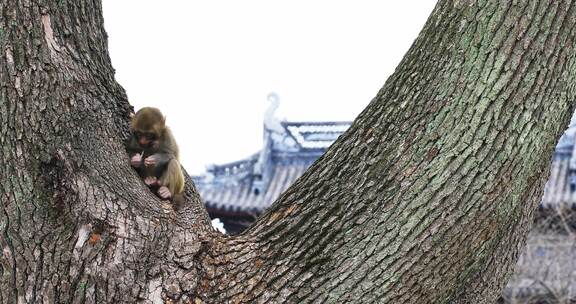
<point x="132" y="120"/>
<point x="163" y="120"/>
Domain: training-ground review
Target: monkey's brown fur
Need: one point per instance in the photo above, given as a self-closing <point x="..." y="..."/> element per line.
<point x="152" y="140"/>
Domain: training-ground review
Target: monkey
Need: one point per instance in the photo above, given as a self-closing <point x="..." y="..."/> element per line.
<point x="154" y="154"/>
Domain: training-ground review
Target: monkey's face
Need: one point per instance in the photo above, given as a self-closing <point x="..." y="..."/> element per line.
<point x="146" y="139"/>
<point x="148" y="127"/>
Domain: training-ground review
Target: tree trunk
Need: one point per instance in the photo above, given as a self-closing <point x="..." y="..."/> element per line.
<point x="426" y="199"/>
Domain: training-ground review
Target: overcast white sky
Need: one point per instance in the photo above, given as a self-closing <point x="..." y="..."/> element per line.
<point x="209" y="65"/>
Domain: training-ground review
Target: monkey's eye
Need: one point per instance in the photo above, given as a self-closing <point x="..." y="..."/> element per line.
<point x="148" y="136"/>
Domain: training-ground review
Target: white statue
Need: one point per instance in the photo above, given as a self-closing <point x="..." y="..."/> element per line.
<point x="270" y="121"/>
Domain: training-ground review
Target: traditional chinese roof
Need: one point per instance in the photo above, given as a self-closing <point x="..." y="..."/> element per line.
<point x="245" y="188"/>
<point x="252" y="184"/>
<point x="241" y="186"/>
<point x="241" y="197"/>
<point x="315" y="135"/>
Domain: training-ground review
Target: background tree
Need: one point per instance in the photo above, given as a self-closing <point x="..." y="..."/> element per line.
<point x="426" y="199"/>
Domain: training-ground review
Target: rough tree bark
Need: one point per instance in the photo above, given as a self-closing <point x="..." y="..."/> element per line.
<point x="426" y="199"/>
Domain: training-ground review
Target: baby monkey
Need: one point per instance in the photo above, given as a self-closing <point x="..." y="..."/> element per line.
<point x="154" y="154"/>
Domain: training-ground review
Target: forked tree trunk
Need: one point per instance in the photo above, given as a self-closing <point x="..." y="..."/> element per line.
<point x="426" y="199"/>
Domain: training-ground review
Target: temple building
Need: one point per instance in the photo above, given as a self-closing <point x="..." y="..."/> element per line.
<point x="238" y="192"/>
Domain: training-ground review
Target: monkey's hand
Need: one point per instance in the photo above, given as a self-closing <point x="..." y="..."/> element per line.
<point x="164" y="193"/>
<point x="151" y="161"/>
<point x="151" y="181"/>
<point x="136" y="160"/>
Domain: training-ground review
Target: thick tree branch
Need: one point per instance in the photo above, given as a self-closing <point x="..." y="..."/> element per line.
<point x="428" y="196"/>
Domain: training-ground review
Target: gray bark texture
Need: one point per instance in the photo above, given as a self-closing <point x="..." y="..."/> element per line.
<point x="427" y="198"/>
